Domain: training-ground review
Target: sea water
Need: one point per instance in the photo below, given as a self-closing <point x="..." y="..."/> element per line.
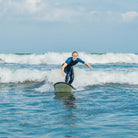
<point x="105" y="103"/>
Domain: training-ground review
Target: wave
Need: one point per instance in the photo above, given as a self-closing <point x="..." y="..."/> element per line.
<point x="83" y="77"/>
<point x="59" y="58"/>
<point x="21" y="75"/>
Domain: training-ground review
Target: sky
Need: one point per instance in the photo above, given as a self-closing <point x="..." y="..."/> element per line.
<point x="92" y="26"/>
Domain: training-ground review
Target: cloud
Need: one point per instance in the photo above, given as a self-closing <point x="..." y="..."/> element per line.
<point x="41" y="10"/>
<point x="129" y="16"/>
<point x="47" y="11"/>
<point x="113" y="17"/>
<point x="22" y="7"/>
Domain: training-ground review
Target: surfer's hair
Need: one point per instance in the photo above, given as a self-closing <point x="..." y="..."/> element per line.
<point x="74" y="52"/>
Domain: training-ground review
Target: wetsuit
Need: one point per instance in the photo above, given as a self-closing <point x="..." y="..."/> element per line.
<point x="69" y="69"/>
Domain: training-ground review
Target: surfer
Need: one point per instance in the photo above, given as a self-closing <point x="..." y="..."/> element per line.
<point x="67" y="67"/>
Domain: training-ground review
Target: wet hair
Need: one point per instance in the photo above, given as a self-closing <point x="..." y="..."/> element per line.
<point x="74" y="52"/>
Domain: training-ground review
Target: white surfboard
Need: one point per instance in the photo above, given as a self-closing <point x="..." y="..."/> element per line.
<point x="63" y="87"/>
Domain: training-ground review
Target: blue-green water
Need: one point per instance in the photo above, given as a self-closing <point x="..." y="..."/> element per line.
<point x="105" y="103"/>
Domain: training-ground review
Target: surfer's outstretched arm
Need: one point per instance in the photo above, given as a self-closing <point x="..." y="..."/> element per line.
<point x="88" y="65"/>
<point x="63" y="67"/>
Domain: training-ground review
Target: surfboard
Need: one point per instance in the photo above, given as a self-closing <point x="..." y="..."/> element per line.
<point x="63" y="87"/>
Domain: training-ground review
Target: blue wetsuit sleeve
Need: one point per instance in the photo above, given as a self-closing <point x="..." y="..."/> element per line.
<point x="68" y="60"/>
<point x="81" y="61"/>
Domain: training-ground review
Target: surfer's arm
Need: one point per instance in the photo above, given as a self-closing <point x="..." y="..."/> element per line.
<point x="63" y="67"/>
<point x="88" y="65"/>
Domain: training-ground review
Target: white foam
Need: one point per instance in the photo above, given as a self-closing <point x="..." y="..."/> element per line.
<point x="21" y="75"/>
<point x="59" y="58"/>
<point x="110" y="58"/>
<point x="27" y="75"/>
<point x="87" y="78"/>
<point x="48" y="87"/>
<point x="83" y="77"/>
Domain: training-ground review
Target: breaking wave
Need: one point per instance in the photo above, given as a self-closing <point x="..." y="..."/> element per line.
<point x="59" y="58"/>
<point x="83" y="77"/>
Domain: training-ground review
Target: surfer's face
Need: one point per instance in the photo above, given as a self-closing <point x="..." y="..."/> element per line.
<point x="74" y="56"/>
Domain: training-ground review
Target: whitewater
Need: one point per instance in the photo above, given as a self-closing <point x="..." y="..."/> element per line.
<point x="108" y="68"/>
<point x="58" y="58"/>
<point x="83" y="77"/>
<point x="105" y="99"/>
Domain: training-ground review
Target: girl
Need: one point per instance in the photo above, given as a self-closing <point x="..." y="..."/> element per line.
<point x="67" y="67"/>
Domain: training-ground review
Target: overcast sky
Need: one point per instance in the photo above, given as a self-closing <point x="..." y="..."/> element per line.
<point x="93" y="26"/>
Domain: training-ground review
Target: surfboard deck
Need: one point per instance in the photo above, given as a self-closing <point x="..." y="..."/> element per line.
<point x="63" y="87"/>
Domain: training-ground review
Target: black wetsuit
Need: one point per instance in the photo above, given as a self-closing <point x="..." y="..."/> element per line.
<point x="69" y="69"/>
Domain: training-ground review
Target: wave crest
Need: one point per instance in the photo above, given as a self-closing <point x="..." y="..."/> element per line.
<point x="59" y="58"/>
<point x="82" y="77"/>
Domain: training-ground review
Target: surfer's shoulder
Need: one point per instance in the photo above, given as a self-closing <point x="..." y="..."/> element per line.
<point x="80" y="60"/>
<point x="69" y="60"/>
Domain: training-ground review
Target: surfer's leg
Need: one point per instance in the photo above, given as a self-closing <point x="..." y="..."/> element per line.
<point x="67" y="78"/>
<point x="67" y="75"/>
<point x="71" y="76"/>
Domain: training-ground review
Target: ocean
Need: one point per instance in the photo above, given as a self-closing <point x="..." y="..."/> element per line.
<point x="104" y="105"/>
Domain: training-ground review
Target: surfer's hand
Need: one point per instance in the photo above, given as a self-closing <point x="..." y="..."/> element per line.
<point x="91" y="68"/>
<point x="63" y="74"/>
